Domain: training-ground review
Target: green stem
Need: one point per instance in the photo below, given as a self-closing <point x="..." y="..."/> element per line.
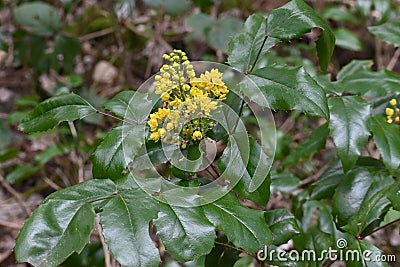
<point x="247" y="73"/>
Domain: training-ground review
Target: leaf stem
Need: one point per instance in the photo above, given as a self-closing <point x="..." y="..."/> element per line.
<point x="379" y="228"/>
<point x="112" y="116"/>
<point x="258" y="54"/>
<point x="247" y="73"/>
<point x="235" y="248"/>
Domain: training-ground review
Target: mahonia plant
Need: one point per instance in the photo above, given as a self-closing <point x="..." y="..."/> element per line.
<point x="354" y="197"/>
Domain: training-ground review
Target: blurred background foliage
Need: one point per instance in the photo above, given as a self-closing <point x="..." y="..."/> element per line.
<point x="99" y="48"/>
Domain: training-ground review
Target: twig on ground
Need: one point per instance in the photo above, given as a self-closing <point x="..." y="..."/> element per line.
<point x="15" y="194"/>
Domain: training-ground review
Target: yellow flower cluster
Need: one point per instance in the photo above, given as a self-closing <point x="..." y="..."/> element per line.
<point x="392" y="113"/>
<point x="187" y="101"/>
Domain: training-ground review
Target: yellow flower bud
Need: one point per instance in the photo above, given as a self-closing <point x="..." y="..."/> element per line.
<point x="197" y="135"/>
<point x="158" y="77"/>
<point x="155" y="136"/>
<point x="393" y="102"/>
<point x="165" y="97"/>
<point x="153" y="123"/>
<point x="397" y="119"/>
<point x="389" y="120"/>
<point x="162" y="132"/>
<point x="183" y="146"/>
<point x="389" y="111"/>
<point x="170" y="126"/>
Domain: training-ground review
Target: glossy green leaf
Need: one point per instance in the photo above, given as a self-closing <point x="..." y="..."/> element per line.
<point x="348" y="127"/>
<point x="358" y="78"/>
<point x="387" y="139"/>
<point x="388" y="32"/>
<point x="117" y="149"/>
<point x="244" y="227"/>
<point x="38" y="17"/>
<point x="119" y="104"/>
<point x="67" y="217"/>
<point x="314" y="240"/>
<point x="297" y="18"/>
<point x="360" y="199"/>
<point x="186" y="233"/>
<point x="326" y="184"/>
<point x="289" y="88"/>
<point x="313" y="143"/>
<point x="282" y="224"/>
<point x="394" y="196"/>
<point x="52" y="111"/>
<point x="125" y="221"/>
<point x="245" y="45"/>
<point x="256" y="170"/>
<point x="284" y="182"/>
<point x="372" y="253"/>
<point x="21" y="173"/>
<point x="347" y="39"/>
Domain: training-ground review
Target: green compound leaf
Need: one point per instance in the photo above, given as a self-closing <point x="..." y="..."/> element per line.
<point x="282" y="224"/>
<point x="358" y="78"/>
<point x="289" y="88"/>
<point x="257" y="168"/>
<point x="360" y="199"/>
<point x="52" y="111"/>
<point x="112" y="156"/>
<point x="348" y="127"/>
<point x="244" y="46"/>
<point x="244" y="227"/>
<point x="61" y="225"/>
<point x="38" y="18"/>
<point x="387" y="139"/>
<point x="313" y="143"/>
<point x="388" y="32"/>
<point x="186" y="233"/>
<point x="297" y="18"/>
<point x="125" y="222"/>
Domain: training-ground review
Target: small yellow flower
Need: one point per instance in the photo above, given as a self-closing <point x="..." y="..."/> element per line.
<point x="162" y="132"/>
<point x="389" y="120"/>
<point x="155" y="136"/>
<point x="389" y="111"/>
<point x="165" y="97"/>
<point x="393" y="102"/>
<point x="197" y="135"/>
<point x="176" y="102"/>
<point x="163" y="112"/>
<point x="153" y="123"/>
